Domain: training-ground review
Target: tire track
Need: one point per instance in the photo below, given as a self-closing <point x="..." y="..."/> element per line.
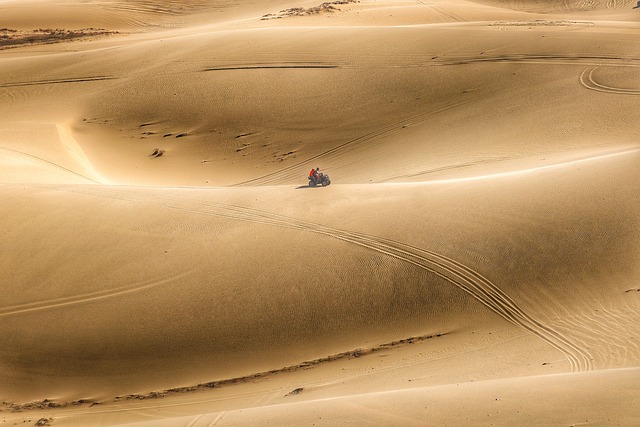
<point x="611" y="333"/>
<point x="456" y="273"/>
<point x="587" y="80"/>
<point x="454" y="166"/>
<point x="160" y="8"/>
<point x="88" y="297"/>
<point x="422" y="60"/>
<point x="292" y="171"/>
<point x="195" y="421"/>
<point x="593" y="60"/>
<point x="272" y="67"/>
<point x="57" y="81"/>
<point x="55" y="165"/>
<point x="441" y="12"/>
<point x="218" y="419"/>
<point x="286" y="172"/>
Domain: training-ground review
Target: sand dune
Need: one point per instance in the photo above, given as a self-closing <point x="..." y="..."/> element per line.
<point x="474" y="262"/>
<point x="506" y="401"/>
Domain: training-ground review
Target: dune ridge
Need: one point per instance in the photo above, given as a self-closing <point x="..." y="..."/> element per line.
<point x="511" y="397"/>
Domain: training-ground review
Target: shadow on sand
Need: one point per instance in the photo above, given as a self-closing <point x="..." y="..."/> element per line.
<point x="302" y="187"/>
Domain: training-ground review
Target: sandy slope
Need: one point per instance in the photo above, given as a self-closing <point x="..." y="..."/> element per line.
<point x="475" y="260"/>
<point x="502" y="402"/>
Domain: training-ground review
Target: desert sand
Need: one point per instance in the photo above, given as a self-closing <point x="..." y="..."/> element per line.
<point x="475" y="261"/>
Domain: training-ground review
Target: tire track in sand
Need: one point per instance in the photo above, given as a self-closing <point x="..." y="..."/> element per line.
<point x="217" y="419"/>
<point x="195" y="421"/>
<point x="50" y="163"/>
<point x="89" y="297"/>
<point x="562" y="59"/>
<point x="57" y="81"/>
<point x="448" y="269"/>
<point x="441" y="12"/>
<point x="292" y="171"/>
<point x="456" y="273"/>
<point x="587" y="80"/>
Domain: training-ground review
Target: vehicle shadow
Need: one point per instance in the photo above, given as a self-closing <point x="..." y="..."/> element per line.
<point x="302" y="187"/>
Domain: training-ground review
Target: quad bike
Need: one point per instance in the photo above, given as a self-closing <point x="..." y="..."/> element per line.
<point x="322" y="179"/>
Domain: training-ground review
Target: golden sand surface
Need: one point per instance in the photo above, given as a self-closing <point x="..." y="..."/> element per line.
<point x="475" y="260"/>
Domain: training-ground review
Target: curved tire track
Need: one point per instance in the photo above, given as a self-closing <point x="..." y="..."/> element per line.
<point x="587" y="80"/>
<point x="88" y="297"/>
<point x="456" y="273"/>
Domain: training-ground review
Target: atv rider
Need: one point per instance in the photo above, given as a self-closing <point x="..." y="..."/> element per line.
<point x="315" y="174"/>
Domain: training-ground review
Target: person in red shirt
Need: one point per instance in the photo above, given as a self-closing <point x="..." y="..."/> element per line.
<point x="314" y="176"/>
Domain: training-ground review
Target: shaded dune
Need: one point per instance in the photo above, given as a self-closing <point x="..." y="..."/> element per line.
<point x="413" y="277"/>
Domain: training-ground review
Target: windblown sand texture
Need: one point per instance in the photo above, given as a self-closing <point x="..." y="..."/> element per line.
<point x="475" y="261"/>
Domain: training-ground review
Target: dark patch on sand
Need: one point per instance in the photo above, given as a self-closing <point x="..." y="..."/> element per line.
<point x="295" y="391"/>
<point x="10" y="38"/>
<point x="352" y="354"/>
<point x="328" y="6"/>
<point x="156" y="153"/>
